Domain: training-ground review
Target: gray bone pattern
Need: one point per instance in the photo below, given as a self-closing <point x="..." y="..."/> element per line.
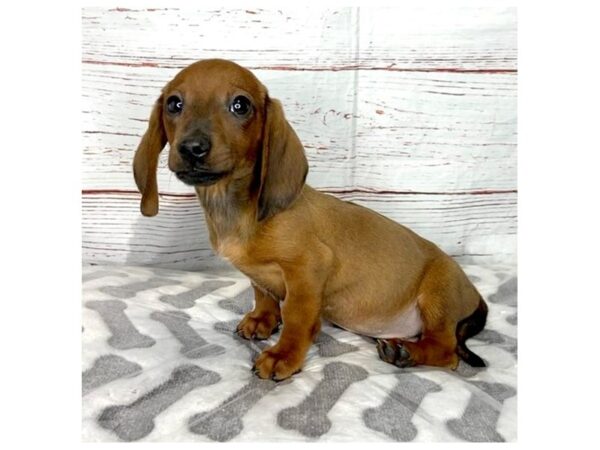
<point x="328" y="346"/>
<point x="101" y="274"/>
<point x="130" y="290"/>
<point x="107" y="368"/>
<point x="136" y="420"/>
<point x="394" y="416"/>
<point x="188" y="299"/>
<point x="240" y="304"/>
<point x="478" y="422"/>
<point x="124" y="334"/>
<point x="194" y="345"/>
<point x="225" y="421"/>
<point x="500" y="340"/>
<point x="310" y="417"/>
<point x="506" y="294"/>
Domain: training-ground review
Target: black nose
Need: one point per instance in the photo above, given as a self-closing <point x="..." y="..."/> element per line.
<point x="194" y="148"/>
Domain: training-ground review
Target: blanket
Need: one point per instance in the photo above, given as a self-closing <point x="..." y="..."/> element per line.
<point x="161" y="362"/>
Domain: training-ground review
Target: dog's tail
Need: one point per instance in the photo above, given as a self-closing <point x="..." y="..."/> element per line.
<point x="467" y="328"/>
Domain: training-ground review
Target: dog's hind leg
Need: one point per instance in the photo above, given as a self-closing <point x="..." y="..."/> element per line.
<point x="433" y="349"/>
<point x="446" y="300"/>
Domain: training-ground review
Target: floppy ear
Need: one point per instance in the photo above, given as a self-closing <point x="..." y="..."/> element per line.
<point x="145" y="161"/>
<point x="283" y="163"/>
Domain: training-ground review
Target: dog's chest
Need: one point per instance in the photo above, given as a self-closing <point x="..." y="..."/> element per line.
<point x="232" y="250"/>
<point x="267" y="276"/>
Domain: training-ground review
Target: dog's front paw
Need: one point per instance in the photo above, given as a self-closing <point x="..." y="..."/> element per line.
<point x="258" y="325"/>
<point x="277" y="363"/>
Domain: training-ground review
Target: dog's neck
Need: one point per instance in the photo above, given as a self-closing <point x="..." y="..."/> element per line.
<point x="229" y="209"/>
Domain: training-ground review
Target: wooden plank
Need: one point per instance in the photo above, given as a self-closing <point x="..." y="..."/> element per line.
<point x="482" y="40"/>
<point x="409" y="111"/>
<point x="431" y="132"/>
<point x="436" y="132"/>
<point x="114" y="231"/>
<point x="443" y="38"/>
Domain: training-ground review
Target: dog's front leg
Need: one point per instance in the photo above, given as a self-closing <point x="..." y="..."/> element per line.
<point x="300" y="314"/>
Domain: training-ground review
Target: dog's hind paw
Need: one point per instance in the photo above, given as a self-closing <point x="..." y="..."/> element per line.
<point x="392" y="351"/>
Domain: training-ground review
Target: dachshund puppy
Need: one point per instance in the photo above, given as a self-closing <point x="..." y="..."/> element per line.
<point x="309" y="255"/>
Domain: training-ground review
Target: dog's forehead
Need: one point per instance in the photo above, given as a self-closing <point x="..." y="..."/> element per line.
<point x="217" y="77"/>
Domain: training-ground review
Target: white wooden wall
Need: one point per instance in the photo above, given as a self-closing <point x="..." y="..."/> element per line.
<point x="411" y="112"/>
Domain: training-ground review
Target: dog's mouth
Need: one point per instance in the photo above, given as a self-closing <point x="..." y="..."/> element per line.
<point x="199" y="177"/>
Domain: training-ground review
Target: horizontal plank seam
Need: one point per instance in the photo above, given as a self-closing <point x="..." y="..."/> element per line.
<point x="313" y="69"/>
<point x="326" y="190"/>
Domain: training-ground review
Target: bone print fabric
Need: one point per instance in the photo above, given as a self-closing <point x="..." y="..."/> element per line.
<point x="161" y="362"/>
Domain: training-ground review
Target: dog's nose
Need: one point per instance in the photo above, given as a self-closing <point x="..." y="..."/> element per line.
<point x="195" y="148"/>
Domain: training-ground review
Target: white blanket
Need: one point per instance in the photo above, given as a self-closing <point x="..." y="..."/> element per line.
<point x="161" y="363"/>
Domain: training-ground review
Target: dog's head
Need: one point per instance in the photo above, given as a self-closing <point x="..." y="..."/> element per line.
<point x="221" y="125"/>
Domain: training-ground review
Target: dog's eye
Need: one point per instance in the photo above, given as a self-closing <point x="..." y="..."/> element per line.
<point x="240" y="106"/>
<point x="174" y="104"/>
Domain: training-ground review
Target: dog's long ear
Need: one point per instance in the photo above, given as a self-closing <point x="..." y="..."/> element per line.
<point x="145" y="161"/>
<point x="283" y="163"/>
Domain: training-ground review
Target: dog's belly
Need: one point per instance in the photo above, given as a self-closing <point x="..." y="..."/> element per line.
<point x="405" y="324"/>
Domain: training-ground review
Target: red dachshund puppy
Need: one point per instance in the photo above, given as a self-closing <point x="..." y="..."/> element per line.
<point x="309" y="255"/>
